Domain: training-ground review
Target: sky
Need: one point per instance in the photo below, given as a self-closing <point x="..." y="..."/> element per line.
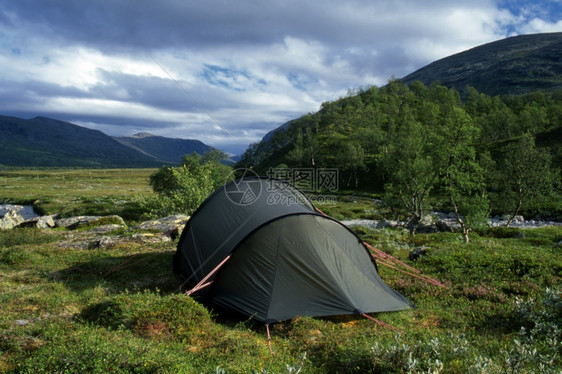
<point x="227" y="72"/>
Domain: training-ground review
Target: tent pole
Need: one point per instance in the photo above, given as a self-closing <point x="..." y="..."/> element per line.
<point x="382" y="323"/>
<point x="268" y="338"/>
<point x="321" y="212"/>
<point x="203" y="281"/>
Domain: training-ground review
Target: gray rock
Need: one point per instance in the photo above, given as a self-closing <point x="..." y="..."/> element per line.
<point x="443" y="226"/>
<point x="104" y="229"/>
<point x="426" y="229"/>
<point x="166" y="225"/>
<point x="74" y="222"/>
<point x="427" y="219"/>
<point x="10" y="220"/>
<point x="44" y="222"/>
<point x="103" y="242"/>
<point x="383" y="224"/>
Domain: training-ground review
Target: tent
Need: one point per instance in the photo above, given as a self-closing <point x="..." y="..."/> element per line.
<point x="258" y="246"/>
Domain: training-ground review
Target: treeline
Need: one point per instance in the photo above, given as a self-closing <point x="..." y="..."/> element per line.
<point x="482" y="154"/>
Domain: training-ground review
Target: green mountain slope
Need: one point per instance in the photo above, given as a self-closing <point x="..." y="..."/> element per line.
<point x="46" y="142"/>
<point x="512" y="66"/>
<point x="162" y="148"/>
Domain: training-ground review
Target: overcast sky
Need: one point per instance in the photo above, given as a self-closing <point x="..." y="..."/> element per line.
<point x="226" y="72"/>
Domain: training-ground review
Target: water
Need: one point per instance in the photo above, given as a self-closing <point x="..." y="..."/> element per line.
<point x="26" y="211"/>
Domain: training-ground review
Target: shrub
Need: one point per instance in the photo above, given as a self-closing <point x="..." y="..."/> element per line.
<point x="182" y="189"/>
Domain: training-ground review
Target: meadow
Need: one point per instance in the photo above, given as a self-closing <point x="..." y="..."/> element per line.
<point x="72" y="192"/>
<point x="81" y="310"/>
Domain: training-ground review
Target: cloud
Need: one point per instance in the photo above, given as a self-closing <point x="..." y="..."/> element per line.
<point x="228" y="72"/>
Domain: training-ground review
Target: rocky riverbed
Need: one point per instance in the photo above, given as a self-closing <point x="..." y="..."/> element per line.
<point x="23" y="216"/>
<point x="439" y="221"/>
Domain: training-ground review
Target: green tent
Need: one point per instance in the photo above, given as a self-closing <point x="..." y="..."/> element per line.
<point x="264" y="251"/>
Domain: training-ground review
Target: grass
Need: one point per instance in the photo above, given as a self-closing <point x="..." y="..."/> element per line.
<point x="70" y="310"/>
<point x="72" y="192"/>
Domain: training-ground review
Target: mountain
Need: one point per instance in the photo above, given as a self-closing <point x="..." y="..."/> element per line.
<point x="162" y="148"/>
<point x="512" y="66"/>
<point x="48" y="142"/>
<point x="525" y="71"/>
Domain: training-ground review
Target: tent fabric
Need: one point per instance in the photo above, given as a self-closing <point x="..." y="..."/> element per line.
<point x="286" y="260"/>
<point x="305" y="265"/>
<point x="221" y="222"/>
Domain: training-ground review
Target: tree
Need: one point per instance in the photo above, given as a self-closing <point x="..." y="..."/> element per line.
<point x="412" y="173"/>
<point x="524" y="172"/>
<point x="462" y="177"/>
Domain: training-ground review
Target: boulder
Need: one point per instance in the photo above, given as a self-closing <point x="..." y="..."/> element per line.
<point x="104" y="229"/>
<point x="171" y="225"/>
<point x="10" y="220"/>
<point x="422" y="228"/>
<point x="416" y="253"/>
<point x="384" y="224"/>
<point x="73" y="223"/>
<point x="103" y="242"/>
<point x="443" y="226"/>
<point x="43" y="222"/>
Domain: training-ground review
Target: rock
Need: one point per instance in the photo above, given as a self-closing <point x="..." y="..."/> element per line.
<point x="44" y="222"/>
<point x="103" y="242"/>
<point x="422" y="228"/>
<point x="74" y="222"/>
<point x="443" y="226"/>
<point x="104" y="229"/>
<point x="452" y="215"/>
<point x="383" y="224"/>
<point x="10" y="220"/>
<point x="427" y="220"/>
<point x="416" y="253"/>
<point x="519" y="219"/>
<point x="171" y="225"/>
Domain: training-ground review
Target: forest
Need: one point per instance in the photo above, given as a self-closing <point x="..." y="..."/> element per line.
<point x="414" y="144"/>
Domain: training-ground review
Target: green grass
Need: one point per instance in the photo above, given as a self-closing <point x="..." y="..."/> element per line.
<point x="69" y="311"/>
<point x="122" y="309"/>
<point x="72" y="192"/>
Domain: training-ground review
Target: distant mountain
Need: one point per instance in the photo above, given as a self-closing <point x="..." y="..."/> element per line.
<point x="161" y="148"/>
<point x="48" y="142"/>
<point x="512" y="66"/>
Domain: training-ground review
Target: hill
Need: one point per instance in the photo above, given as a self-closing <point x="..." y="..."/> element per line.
<point x="47" y="142"/>
<point x="512" y="66"/>
<point x="161" y="148"/>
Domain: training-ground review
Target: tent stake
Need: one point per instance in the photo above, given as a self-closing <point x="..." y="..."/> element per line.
<point x="382" y="323"/>
<point x="268" y="338"/>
